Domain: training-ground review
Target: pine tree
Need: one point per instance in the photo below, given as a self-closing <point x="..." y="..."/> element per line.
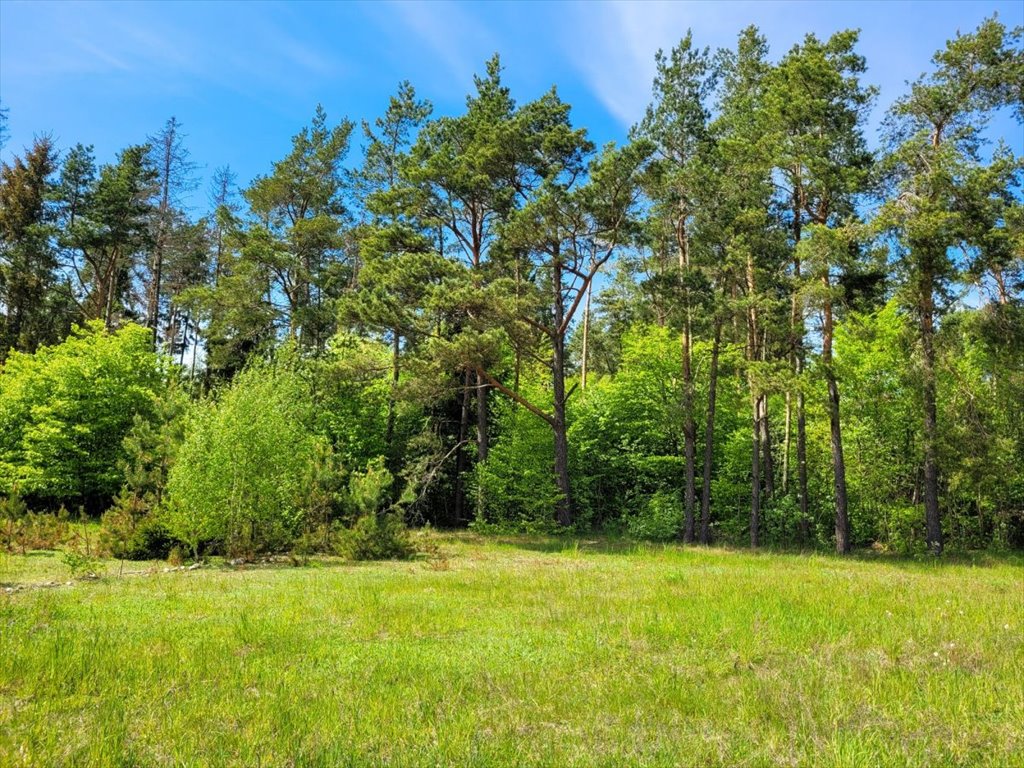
<point x="936" y="175"/>
<point x="104" y="229"/>
<point x="298" y="237"/>
<point x="169" y="157"/>
<point x="33" y="313"/>
<point x="817" y="109"/>
<point x="677" y="124"/>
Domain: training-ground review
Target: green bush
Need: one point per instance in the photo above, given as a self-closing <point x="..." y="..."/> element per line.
<point x="368" y="491"/>
<point x="239" y="480"/>
<point x="660" y="518"/>
<point x="65" y="410"/>
<point x="377" y="537"/>
<point x="514" y="490"/>
<point x="902" y="529"/>
<point x="131" y="532"/>
<point x="376" y="534"/>
<point x="12" y="517"/>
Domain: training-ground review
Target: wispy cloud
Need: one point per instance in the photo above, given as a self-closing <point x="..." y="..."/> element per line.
<point x="94" y="55"/>
<point x="621" y="38"/>
<point x="157" y="47"/>
<point x="453" y="35"/>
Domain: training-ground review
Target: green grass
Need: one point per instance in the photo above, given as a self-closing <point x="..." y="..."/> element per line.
<point x="519" y="652"/>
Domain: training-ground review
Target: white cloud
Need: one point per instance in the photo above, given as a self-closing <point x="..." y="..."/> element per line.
<point x="94" y="54"/>
<point x="621" y="39"/>
<point x="619" y="43"/>
<point x="453" y="36"/>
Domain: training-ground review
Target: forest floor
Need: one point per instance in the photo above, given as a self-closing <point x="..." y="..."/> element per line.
<point x="516" y="652"/>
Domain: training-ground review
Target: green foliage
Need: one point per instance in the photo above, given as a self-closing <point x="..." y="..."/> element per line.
<point x="79" y="563"/>
<point x="377" y="537"/>
<point x="626" y="430"/>
<point x="34" y="313"/>
<point x="65" y="411"/>
<point x="238" y="478"/>
<point x="105" y="227"/>
<point x="660" y="518"/>
<point x="132" y="532"/>
<point x="901" y="529"/>
<point x="352" y="391"/>
<point x="12" y="512"/>
<point x="300" y="210"/>
<point x="368" y="491"/>
<point x="377" y="533"/>
<point x="132" y="528"/>
<point x="516" y="485"/>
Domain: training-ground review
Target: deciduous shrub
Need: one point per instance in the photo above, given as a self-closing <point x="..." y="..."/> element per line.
<point x="660" y="518"/>
<point x="238" y="482"/>
<point x="65" y="410"/>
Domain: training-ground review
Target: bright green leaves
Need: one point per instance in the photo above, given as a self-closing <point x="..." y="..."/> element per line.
<point x="65" y="410"/>
<point x="239" y="474"/>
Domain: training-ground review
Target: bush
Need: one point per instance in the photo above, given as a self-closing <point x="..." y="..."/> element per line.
<point x="377" y="537"/>
<point x="23" y="531"/>
<point x="514" y="490"/>
<point x="368" y="490"/>
<point x="239" y="480"/>
<point x="902" y="529"/>
<point x="12" y="514"/>
<point x="660" y="518"/>
<point x="65" y="410"/>
<point x="130" y="532"/>
<point x="131" y="527"/>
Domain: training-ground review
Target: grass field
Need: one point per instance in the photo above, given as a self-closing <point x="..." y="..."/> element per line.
<point x="517" y="652"/>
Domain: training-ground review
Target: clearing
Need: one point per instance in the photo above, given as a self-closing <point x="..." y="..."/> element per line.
<point x="517" y="652"/>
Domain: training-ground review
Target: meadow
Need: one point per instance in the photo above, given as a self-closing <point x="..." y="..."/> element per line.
<point x="516" y="651"/>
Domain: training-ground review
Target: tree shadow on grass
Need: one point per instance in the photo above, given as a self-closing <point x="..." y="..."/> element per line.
<point x="926" y="562"/>
<point x="619" y="545"/>
<point x="597" y="544"/>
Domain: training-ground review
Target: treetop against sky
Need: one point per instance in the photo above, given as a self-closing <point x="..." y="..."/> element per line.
<point x="243" y="78"/>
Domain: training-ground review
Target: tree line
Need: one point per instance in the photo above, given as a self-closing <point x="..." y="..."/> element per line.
<point x="744" y="323"/>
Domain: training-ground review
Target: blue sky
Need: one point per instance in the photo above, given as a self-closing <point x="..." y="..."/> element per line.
<point x="244" y="77"/>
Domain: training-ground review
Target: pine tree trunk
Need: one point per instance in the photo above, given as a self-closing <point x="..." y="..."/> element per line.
<point x="181" y="320"/>
<point x="801" y="467"/>
<point x="586" y="338"/>
<point x="839" y="469"/>
<point x="108" y="303"/>
<point x="460" y="453"/>
<point x="153" y="313"/>
<point x="689" y="426"/>
<point x="933" y="522"/>
<point x="786" y="441"/>
<point x="709" y="435"/>
<point x="838" y="463"/>
<point x="689" y="435"/>
<point x="482" y="438"/>
<point x="768" y="464"/>
<point x="755" y="456"/>
<point x="755" y="481"/>
<point x="389" y="433"/>
<point x="797" y="321"/>
<point x="564" y="506"/>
